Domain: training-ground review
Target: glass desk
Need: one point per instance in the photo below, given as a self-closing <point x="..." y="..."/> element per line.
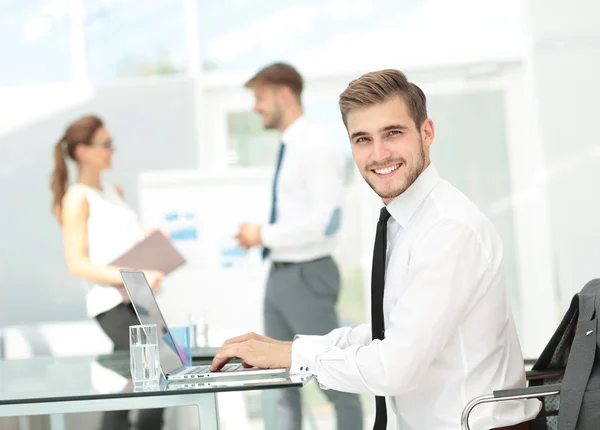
<point x="58" y="386"/>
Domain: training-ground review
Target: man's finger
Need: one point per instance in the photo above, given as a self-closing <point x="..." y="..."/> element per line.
<point x="217" y="363"/>
<point x="227" y="350"/>
<point x="219" y="360"/>
<point x="222" y="357"/>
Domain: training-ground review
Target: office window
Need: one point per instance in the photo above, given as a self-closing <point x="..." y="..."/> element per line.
<point x="34" y="42"/>
<point x="129" y="39"/>
<point x="249" y="144"/>
<point x="470" y="150"/>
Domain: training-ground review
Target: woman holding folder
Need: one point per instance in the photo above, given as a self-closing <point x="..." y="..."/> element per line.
<point x="98" y="227"/>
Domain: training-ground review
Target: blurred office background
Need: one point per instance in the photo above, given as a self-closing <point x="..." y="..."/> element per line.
<point x="512" y="89"/>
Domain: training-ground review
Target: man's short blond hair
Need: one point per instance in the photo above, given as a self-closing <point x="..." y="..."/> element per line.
<point x="378" y="87"/>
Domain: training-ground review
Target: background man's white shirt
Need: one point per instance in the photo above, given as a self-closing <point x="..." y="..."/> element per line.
<point x="309" y="189"/>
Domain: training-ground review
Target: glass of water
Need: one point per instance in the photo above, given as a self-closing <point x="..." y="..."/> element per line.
<point x="143" y="350"/>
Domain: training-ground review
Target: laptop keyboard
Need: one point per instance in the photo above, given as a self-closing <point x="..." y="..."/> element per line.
<point x="205" y="369"/>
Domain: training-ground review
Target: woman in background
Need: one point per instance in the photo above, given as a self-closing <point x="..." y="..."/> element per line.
<point x="98" y="226"/>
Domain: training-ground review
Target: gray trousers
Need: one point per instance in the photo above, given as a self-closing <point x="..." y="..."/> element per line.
<point x="115" y="324"/>
<point x="300" y="298"/>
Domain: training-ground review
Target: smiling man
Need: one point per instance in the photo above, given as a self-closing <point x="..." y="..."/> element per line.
<point x="441" y="329"/>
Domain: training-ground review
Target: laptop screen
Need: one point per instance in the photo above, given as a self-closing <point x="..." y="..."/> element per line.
<point x="171" y="354"/>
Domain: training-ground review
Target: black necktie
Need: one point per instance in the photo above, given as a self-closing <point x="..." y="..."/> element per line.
<point x="377" y="286"/>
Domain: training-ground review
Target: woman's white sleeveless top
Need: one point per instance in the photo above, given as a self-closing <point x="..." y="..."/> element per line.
<point x="113" y="228"/>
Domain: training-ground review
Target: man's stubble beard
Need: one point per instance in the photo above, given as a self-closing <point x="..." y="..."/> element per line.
<point x="411" y="177"/>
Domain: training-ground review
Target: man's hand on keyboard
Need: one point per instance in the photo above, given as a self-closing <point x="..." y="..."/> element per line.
<point x="255" y="351"/>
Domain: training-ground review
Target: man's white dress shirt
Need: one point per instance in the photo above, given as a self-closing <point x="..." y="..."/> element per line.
<point x="309" y="190"/>
<point x="450" y="334"/>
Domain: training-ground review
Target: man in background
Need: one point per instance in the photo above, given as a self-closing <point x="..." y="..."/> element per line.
<point x="304" y="282"/>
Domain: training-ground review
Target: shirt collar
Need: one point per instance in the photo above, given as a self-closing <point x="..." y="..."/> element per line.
<point x="294" y="130"/>
<point x="403" y="207"/>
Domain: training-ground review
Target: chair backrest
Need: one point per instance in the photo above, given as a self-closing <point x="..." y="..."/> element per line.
<point x="573" y="347"/>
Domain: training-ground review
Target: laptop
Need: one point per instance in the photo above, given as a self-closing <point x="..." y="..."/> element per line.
<point x="224" y="382"/>
<point x="174" y="363"/>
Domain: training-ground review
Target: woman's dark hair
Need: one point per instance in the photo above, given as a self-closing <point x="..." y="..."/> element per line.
<point x="79" y="132"/>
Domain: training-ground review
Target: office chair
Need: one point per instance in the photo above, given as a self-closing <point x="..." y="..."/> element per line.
<point x="571" y="353"/>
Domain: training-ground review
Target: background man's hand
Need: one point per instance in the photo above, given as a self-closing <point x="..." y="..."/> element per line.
<point x="249" y="235"/>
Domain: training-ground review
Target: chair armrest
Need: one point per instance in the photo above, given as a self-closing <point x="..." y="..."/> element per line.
<point x="527" y="393"/>
<point x="504" y="395"/>
<point x="544" y="374"/>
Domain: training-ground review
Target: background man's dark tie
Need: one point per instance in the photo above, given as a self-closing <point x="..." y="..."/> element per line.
<point x="377" y="287"/>
<point x="273" y="218"/>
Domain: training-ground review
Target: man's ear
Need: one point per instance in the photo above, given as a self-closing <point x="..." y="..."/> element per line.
<point x="428" y="132"/>
<point x="286" y="94"/>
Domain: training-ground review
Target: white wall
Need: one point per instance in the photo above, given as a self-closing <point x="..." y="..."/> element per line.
<point x="565" y="56"/>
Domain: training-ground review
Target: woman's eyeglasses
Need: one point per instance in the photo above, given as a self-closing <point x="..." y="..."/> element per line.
<point x="107" y="145"/>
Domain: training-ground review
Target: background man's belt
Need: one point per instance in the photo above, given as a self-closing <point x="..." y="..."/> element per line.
<point x="282" y="264"/>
